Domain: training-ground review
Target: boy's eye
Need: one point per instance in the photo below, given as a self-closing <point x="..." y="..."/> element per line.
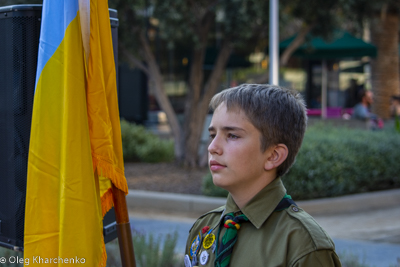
<point x="232" y="136"/>
<point x="212" y="136"/>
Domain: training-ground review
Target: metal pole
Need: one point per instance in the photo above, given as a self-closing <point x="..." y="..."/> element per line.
<point x="273" y="42"/>
<point x="324" y="89"/>
<point x="123" y="228"/>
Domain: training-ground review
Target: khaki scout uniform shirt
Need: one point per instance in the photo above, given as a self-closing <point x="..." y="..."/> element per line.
<point x="290" y="237"/>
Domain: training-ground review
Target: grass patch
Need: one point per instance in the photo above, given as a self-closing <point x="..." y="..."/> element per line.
<point x="148" y="251"/>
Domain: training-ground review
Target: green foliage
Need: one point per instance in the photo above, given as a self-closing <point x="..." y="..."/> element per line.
<point x="148" y="252"/>
<point x="323" y="15"/>
<point x="133" y="19"/>
<point x="209" y="189"/>
<point x="141" y="145"/>
<point x="361" y="10"/>
<point x="190" y="24"/>
<point x="351" y="260"/>
<point x="397" y="123"/>
<point x="11" y="255"/>
<point x="339" y="161"/>
<point x="235" y="20"/>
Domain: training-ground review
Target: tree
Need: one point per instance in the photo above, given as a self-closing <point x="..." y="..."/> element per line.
<point x="385" y="68"/>
<point x="194" y="22"/>
<point x="319" y="18"/>
<point x="238" y="23"/>
<point x="383" y="19"/>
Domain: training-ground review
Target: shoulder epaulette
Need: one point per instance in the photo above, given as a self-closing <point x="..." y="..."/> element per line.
<point x="320" y="238"/>
<point x="217" y="210"/>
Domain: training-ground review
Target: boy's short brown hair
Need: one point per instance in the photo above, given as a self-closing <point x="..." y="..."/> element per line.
<point x="278" y="113"/>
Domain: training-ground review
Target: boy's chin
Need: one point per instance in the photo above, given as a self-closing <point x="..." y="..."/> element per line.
<point x="220" y="182"/>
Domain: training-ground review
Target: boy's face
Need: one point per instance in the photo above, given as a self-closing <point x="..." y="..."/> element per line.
<point x="235" y="158"/>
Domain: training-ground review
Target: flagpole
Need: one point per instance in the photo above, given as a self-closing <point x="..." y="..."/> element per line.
<point x="274" y="42"/>
<point x="123" y="228"/>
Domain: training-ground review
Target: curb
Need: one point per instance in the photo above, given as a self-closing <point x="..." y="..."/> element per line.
<point x="352" y="203"/>
<point x="150" y="201"/>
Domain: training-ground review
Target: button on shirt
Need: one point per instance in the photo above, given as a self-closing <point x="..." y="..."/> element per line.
<point x="289" y="237"/>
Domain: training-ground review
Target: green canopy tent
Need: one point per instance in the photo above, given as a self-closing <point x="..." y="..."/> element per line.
<point x="342" y="46"/>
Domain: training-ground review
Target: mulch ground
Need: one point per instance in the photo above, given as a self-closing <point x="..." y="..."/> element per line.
<point x="164" y="177"/>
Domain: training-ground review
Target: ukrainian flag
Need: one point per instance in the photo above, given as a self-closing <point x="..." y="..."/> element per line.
<point x="75" y="146"/>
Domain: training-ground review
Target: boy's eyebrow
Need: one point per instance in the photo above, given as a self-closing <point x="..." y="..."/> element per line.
<point x="227" y="128"/>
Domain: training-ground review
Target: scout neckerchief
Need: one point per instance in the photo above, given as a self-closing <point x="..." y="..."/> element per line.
<point x="233" y="224"/>
<point x="229" y="239"/>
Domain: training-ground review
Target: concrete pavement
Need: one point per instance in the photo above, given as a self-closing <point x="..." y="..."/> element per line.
<point x="367" y="225"/>
<point x="371" y="216"/>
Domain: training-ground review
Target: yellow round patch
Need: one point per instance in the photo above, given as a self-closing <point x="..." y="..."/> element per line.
<point x="208" y="241"/>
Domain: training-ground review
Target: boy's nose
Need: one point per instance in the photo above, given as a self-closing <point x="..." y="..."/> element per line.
<point x="214" y="147"/>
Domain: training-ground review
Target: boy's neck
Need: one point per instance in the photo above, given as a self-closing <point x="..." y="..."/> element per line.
<point x="244" y="195"/>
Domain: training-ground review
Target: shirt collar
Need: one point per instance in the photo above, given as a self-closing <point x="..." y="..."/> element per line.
<point x="261" y="206"/>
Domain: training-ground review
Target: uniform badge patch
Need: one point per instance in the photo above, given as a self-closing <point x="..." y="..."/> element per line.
<point x="187" y="261"/>
<point x="208" y="241"/>
<point x="194" y="248"/>
<point x="204" y="257"/>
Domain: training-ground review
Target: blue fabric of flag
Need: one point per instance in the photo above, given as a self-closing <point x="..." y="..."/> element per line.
<point x="56" y="15"/>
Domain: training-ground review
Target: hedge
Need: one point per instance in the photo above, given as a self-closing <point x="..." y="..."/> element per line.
<point x="336" y="161"/>
<point x="141" y="145"/>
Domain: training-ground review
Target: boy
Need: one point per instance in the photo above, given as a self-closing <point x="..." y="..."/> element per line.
<point x="256" y="132"/>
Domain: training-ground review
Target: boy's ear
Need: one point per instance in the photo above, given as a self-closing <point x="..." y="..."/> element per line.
<point x="277" y="154"/>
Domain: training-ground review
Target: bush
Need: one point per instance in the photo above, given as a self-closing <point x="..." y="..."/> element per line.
<point x="12" y="258"/>
<point x="209" y="189"/>
<point x="141" y="145"/>
<point x="338" y="161"/>
<point x="148" y="252"/>
<point x="351" y="260"/>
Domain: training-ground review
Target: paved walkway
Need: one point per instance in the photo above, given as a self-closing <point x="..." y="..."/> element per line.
<point x="375" y="225"/>
<point x="367" y="225"/>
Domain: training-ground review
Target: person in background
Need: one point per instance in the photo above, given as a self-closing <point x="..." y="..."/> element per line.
<point x="395" y="106"/>
<point x="361" y="111"/>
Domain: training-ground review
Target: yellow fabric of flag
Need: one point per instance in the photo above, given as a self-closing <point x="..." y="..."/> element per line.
<point x="104" y="124"/>
<point x="75" y="133"/>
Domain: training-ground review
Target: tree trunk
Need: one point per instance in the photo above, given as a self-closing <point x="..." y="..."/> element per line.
<point x="385" y="67"/>
<point x="155" y="76"/>
<point x="296" y="43"/>
<point x="198" y="100"/>
<point x="192" y="113"/>
<point x="186" y="144"/>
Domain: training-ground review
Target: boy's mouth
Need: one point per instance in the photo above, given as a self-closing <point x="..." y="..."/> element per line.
<point x="216" y="166"/>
